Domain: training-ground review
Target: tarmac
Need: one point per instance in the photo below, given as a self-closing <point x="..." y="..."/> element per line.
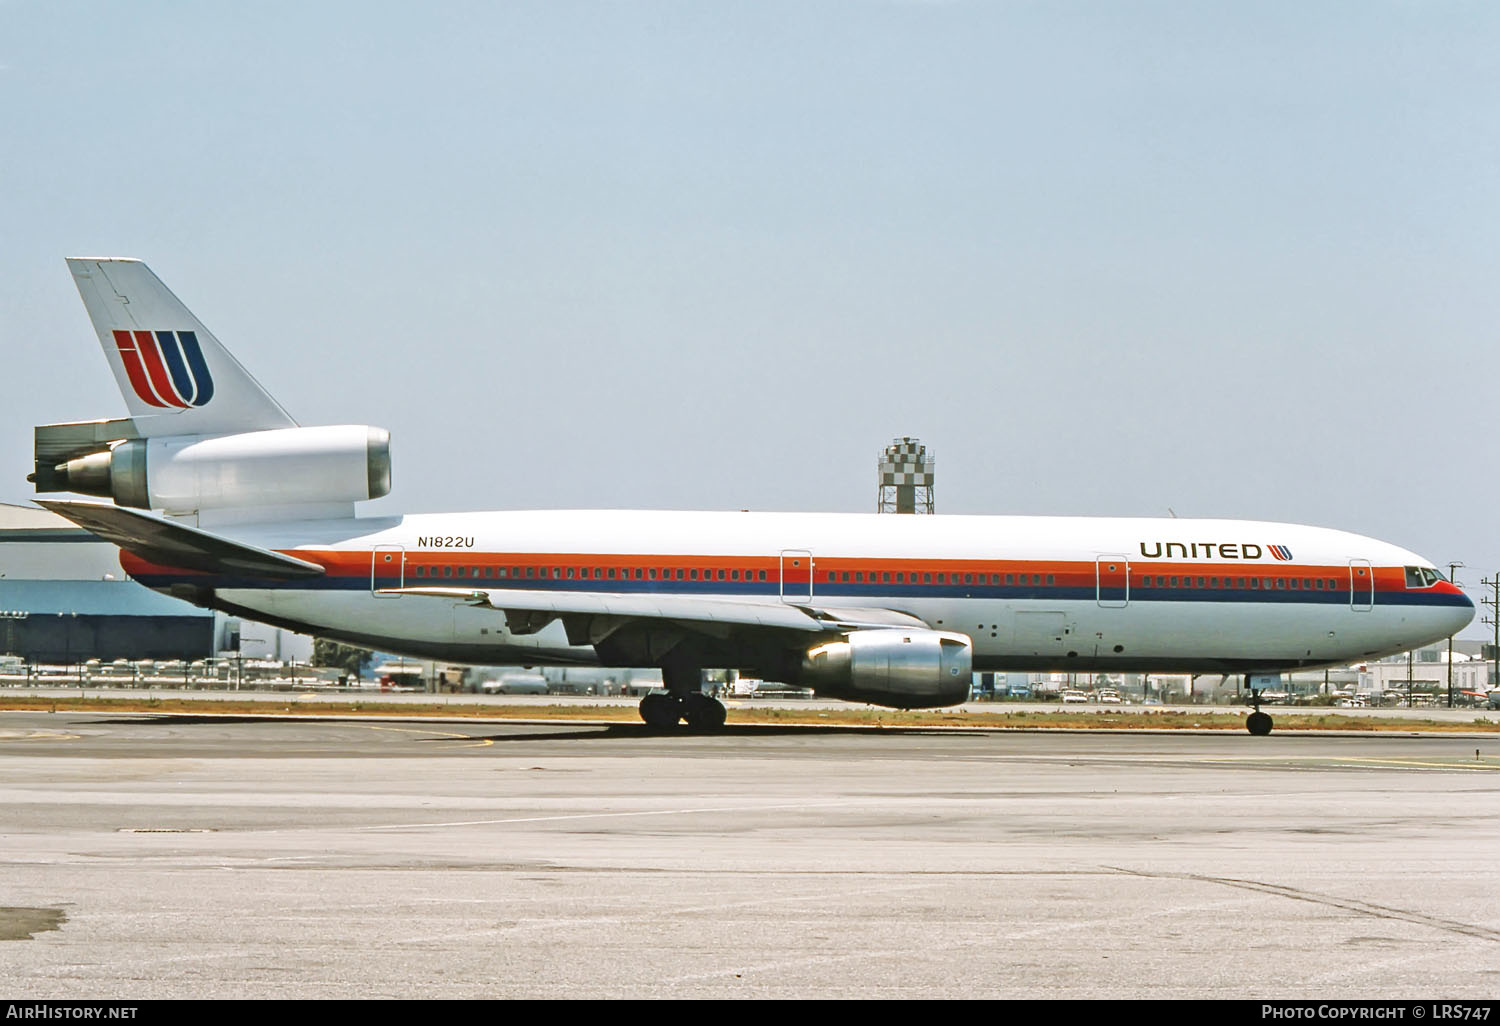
<point x="150" y="856"/>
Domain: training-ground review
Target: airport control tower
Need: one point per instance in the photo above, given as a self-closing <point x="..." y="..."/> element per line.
<point x="906" y="473"/>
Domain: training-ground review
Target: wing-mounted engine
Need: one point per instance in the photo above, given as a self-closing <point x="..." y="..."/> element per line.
<point x="905" y="669"/>
<point x="182" y="474"/>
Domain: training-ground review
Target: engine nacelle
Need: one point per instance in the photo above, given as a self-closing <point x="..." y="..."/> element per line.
<point x="284" y="467"/>
<point x="905" y="669"/>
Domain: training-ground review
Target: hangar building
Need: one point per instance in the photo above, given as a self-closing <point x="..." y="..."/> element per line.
<point x="64" y="598"/>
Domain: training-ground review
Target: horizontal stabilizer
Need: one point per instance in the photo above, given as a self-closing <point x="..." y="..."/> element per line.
<point x="167" y="543"/>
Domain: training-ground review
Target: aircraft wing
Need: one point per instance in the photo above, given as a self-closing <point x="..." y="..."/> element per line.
<point x="529" y="611"/>
<point x="168" y="543"/>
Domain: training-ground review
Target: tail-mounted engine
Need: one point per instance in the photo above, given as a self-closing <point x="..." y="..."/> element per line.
<point x="187" y="474"/>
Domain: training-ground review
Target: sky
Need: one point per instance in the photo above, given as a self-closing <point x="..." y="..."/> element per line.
<point x="1116" y="258"/>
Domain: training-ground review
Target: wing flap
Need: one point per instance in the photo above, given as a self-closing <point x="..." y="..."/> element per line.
<point x="529" y="607"/>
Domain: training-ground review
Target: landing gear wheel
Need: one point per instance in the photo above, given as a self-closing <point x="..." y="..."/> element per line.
<point x="1258" y="723"/>
<point x="661" y="710"/>
<point x="703" y="712"/>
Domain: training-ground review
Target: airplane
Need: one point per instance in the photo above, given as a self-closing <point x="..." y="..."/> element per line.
<point x="221" y="498"/>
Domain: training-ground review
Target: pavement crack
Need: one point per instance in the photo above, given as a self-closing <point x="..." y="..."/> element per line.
<point x="1354" y="905"/>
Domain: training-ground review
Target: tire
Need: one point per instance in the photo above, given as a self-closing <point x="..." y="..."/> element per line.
<point x="703" y="712"/>
<point x="661" y="710"/>
<point x="1258" y="723"/>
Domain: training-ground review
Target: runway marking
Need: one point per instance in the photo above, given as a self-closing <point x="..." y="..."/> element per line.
<point x="1456" y="764"/>
<point x="1459" y="762"/>
<point x="978" y="940"/>
<point x="634" y="914"/>
<point x="37" y="735"/>
<point x="1346" y="904"/>
<point x="606" y="815"/>
<point x="478" y="742"/>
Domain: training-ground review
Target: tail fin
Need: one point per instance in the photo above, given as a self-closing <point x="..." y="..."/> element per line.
<point x="175" y="376"/>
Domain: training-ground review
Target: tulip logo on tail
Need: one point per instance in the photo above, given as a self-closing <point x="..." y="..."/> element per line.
<point x="166" y="368"/>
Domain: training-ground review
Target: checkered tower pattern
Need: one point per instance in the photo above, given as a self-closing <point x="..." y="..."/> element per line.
<point x="906" y="478"/>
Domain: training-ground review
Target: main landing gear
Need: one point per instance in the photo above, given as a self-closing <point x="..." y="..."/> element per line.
<point x="682" y="700"/>
<point x="664" y="710"/>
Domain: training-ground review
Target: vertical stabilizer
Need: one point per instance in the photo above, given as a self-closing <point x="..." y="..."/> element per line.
<point x="175" y="376"/>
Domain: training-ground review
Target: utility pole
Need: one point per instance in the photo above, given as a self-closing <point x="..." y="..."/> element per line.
<point x="1494" y="621"/>
<point x="1453" y="580"/>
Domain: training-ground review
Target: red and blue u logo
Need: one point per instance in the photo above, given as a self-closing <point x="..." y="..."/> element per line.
<point x="166" y="368"/>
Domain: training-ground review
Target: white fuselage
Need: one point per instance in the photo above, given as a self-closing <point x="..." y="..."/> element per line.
<point x="1031" y="592"/>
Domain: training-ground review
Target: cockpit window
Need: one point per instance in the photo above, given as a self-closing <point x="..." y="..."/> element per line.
<point x="1422" y="577"/>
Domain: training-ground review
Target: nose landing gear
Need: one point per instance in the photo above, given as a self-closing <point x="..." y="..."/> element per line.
<point x="1259" y="723"/>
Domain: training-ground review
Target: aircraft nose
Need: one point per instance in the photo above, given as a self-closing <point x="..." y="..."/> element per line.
<point x="1461" y="612"/>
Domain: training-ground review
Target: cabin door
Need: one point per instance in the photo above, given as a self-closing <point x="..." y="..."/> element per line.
<point x="796" y="576"/>
<point x="1361" y="585"/>
<point x="387" y="569"/>
<point x="1112" y="581"/>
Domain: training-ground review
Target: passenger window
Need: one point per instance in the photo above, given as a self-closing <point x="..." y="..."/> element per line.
<point x="761" y="575"/>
